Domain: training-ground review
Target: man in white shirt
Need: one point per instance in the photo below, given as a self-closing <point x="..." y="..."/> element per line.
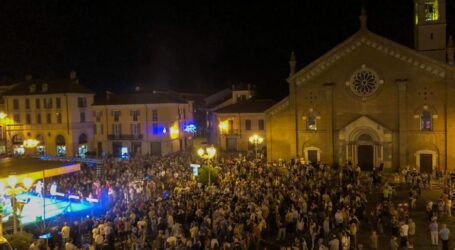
<point x="404" y="231"/>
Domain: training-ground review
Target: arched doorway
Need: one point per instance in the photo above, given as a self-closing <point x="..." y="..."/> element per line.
<point x="18" y="144"/>
<point x="82" y="149"/>
<point x="365" y="152"/>
<point x="61" y="146"/>
<point x="40" y="148"/>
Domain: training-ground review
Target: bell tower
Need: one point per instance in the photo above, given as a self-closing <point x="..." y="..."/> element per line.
<point x="430" y="28"/>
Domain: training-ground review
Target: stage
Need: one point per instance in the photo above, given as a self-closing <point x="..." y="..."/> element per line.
<point x="34" y="209"/>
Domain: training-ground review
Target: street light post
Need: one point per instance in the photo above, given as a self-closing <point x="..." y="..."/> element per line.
<point x="256" y="140"/>
<point x="12" y="181"/>
<point x="207" y="153"/>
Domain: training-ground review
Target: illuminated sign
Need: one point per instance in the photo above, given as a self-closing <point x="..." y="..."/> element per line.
<point x="190" y="128"/>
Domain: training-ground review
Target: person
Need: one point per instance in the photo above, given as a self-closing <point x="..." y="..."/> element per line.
<point x="39" y="189"/>
<point x="65" y="233"/>
<point x="444" y="233"/>
<point x="393" y="243"/>
<point x="404" y="230"/>
<point x="334" y="243"/>
<point x="53" y="190"/>
<point x="374" y="240"/>
<point x="433" y="227"/>
<point x="412" y="228"/>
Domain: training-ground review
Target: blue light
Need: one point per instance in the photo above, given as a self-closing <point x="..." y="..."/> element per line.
<point x="190" y="128"/>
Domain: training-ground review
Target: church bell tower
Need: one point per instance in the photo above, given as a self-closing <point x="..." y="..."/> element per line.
<point x="430" y="28"/>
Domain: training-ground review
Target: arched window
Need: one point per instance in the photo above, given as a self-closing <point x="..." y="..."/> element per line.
<point x="426" y="122"/>
<point x="311" y="121"/>
<point x="60" y="140"/>
<point x="83" y="139"/>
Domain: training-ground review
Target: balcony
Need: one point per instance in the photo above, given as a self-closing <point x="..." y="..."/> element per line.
<point x="124" y="137"/>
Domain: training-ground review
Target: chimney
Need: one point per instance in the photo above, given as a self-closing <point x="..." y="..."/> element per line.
<point x="108" y="95"/>
<point x="73" y="75"/>
<point x="451" y="52"/>
<point x="28" y="77"/>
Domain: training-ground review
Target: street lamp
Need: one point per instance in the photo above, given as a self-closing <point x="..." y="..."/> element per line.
<point x="256" y="140"/>
<point x="207" y="153"/>
<point x="12" y="182"/>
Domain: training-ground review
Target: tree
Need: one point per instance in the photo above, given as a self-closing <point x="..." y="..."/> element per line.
<point x="204" y="175"/>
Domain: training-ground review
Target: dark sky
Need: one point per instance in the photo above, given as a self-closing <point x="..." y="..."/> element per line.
<point x="185" y="45"/>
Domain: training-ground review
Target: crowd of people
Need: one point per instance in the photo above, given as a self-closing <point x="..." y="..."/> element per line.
<point x="157" y="203"/>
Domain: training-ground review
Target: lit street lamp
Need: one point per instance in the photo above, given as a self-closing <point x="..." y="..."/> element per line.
<point x="256" y="140"/>
<point x="13" y="190"/>
<point x="207" y="153"/>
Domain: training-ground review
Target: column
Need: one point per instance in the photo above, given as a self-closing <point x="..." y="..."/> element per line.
<point x="330" y="141"/>
<point x="402" y="123"/>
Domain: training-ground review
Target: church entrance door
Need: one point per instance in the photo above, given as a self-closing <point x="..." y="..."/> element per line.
<point x="426" y="163"/>
<point x="365" y="157"/>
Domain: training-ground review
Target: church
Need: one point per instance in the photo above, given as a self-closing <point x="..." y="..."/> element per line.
<point x="371" y="101"/>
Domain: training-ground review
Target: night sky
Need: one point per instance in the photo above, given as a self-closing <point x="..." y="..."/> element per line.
<point x="182" y="45"/>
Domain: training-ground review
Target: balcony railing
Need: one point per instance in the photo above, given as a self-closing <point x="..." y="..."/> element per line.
<point x="124" y="137"/>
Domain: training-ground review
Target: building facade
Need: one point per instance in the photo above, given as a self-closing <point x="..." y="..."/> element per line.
<point x="155" y="123"/>
<point x="371" y="101"/>
<point x="55" y="113"/>
<point x="238" y="121"/>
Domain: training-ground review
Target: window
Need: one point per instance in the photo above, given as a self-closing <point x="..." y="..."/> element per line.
<point x="58" y="117"/>
<point x="179" y="113"/>
<point x="27" y="103"/>
<point x="95" y="128"/>
<point x="28" y="119"/>
<point x="101" y="128"/>
<point x="135" y="129"/>
<point x="15" y="104"/>
<point x="32" y="88"/>
<point x="426" y="121"/>
<point x="17" y="118"/>
<point x="82" y="102"/>
<point x="247" y="124"/>
<point x="38" y="103"/>
<point x="116" y="115"/>
<point x="155" y="115"/>
<point x="135" y="115"/>
<point x="261" y="124"/>
<point x="117" y="129"/>
<point x="44" y="87"/>
<point x="38" y="118"/>
<point x="82" y="117"/>
<point x="98" y="116"/>
<point x="58" y="103"/>
<point x="311" y="122"/>
<point x="47" y="103"/>
<point x="48" y="118"/>
<point x="431" y="10"/>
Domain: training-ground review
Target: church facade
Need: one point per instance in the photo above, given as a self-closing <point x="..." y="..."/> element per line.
<point x="373" y="101"/>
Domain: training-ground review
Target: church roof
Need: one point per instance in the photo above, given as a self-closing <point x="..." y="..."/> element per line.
<point x="367" y="38"/>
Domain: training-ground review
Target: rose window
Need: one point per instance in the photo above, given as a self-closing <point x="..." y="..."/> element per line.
<point x="364" y="82"/>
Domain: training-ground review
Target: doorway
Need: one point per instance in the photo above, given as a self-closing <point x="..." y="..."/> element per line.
<point x="365" y="157"/>
<point x="313" y="156"/>
<point x="426" y="163"/>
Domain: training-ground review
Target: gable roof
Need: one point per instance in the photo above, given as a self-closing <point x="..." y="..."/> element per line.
<point x="53" y="87"/>
<point x="154" y="97"/>
<point x="248" y="106"/>
<point x="370" y="39"/>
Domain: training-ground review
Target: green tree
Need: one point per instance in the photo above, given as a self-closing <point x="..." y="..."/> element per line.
<point x="204" y="175"/>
